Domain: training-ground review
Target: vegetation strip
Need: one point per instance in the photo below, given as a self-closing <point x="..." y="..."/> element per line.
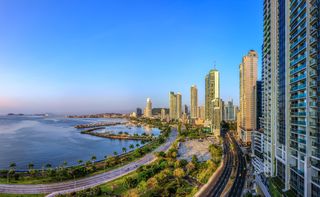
<point x="62" y="173"/>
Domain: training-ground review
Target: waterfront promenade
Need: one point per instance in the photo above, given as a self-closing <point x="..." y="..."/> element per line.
<point x="88" y="182"/>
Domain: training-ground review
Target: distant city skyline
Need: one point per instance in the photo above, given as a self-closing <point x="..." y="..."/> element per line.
<point x="56" y="59"/>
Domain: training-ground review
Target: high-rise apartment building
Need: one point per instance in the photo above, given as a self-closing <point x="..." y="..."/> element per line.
<point x="229" y="112"/>
<point x="201" y="112"/>
<point x="212" y="92"/>
<point x="248" y="79"/>
<point x="148" y="109"/>
<point x="194" y="101"/>
<point x="139" y="112"/>
<point x="179" y="105"/>
<point x="172" y="106"/>
<point x="163" y="114"/>
<point x="186" y="110"/>
<point x="175" y="106"/>
<point x="213" y="108"/>
<point x="290" y="99"/>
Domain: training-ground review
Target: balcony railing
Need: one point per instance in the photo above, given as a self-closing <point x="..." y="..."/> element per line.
<point x="296" y="79"/>
<point x="297" y="60"/>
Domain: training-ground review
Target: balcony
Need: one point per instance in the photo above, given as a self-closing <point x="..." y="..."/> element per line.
<point x="297" y="60"/>
<point x="298" y="105"/>
<point x="299" y="114"/>
<point x="298" y="22"/>
<point x="296" y="79"/>
<point x="298" y="96"/>
<point x="303" y="150"/>
<point x="299" y="123"/>
<point x="303" y="141"/>
<point x="298" y="87"/>
<point x="313" y="41"/>
<point x="313" y="73"/>
<point x="313" y="62"/>
<point x="293" y="8"/>
<point x="313" y="124"/>
<point x="300" y="68"/>
<point x="313" y="104"/>
<point x="313" y="53"/>
<point x="301" y="38"/>
<point x="297" y="51"/>
<point x="298" y="32"/>
<point x="314" y="10"/>
<point x="313" y="20"/>
<point x="299" y="11"/>
<point x="300" y="172"/>
<point x="316" y="180"/>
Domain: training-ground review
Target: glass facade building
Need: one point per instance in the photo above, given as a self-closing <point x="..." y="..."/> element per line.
<point x="291" y="81"/>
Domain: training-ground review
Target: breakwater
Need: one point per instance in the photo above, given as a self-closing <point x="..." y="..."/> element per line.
<point x="98" y="124"/>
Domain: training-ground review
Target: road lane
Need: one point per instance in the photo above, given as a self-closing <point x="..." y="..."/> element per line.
<point x="71" y="186"/>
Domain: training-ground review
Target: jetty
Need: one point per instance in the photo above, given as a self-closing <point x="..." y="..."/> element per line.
<point x="98" y="124"/>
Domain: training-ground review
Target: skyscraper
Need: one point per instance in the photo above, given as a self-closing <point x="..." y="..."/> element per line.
<point x="194" y="101"/>
<point x="186" y="110"/>
<point x="175" y="106"/>
<point x="163" y="114"/>
<point x="212" y="100"/>
<point x="212" y="92"/>
<point x="172" y="106"/>
<point x="229" y="111"/>
<point x="248" y="78"/>
<point x="179" y="105"/>
<point x="139" y="112"/>
<point x="290" y="99"/>
<point x="148" y="110"/>
<point x="201" y="112"/>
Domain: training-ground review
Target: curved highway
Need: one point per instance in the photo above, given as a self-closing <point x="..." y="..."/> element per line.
<point x="237" y="187"/>
<point x="217" y="185"/>
<point x="88" y="182"/>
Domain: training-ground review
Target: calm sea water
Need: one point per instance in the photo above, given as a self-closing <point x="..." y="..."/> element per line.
<point x="43" y="140"/>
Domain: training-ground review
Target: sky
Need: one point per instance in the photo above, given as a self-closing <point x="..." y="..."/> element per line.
<point x="85" y="56"/>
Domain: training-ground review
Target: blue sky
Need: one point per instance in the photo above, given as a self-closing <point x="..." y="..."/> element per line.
<point x="76" y="56"/>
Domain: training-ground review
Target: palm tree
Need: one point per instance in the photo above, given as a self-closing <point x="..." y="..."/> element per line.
<point x="31" y="169"/>
<point x="115" y="153"/>
<point x="13" y="165"/>
<point x="131" y="146"/>
<point x="30" y="166"/>
<point x="137" y="145"/>
<point x="80" y="161"/>
<point x="11" y="171"/>
<point x="105" y="161"/>
<point x="48" y="165"/>
<point x="124" y="149"/>
<point x="93" y="159"/>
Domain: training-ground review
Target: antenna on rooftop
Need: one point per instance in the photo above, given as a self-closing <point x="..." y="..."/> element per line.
<point x="214" y="65"/>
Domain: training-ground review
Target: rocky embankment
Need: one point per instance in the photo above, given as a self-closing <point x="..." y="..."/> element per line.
<point x="97" y="124"/>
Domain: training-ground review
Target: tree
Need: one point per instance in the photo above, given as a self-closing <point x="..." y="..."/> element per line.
<point x="190" y="167"/>
<point x="80" y="161"/>
<point x="32" y="172"/>
<point x="152" y="182"/>
<point x="93" y="159"/>
<point x="105" y="161"/>
<point x="179" y="173"/>
<point x="131" y="146"/>
<point x="11" y="171"/>
<point x="195" y="159"/>
<point x="124" y="149"/>
<point x="137" y="145"/>
<point x="115" y="153"/>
